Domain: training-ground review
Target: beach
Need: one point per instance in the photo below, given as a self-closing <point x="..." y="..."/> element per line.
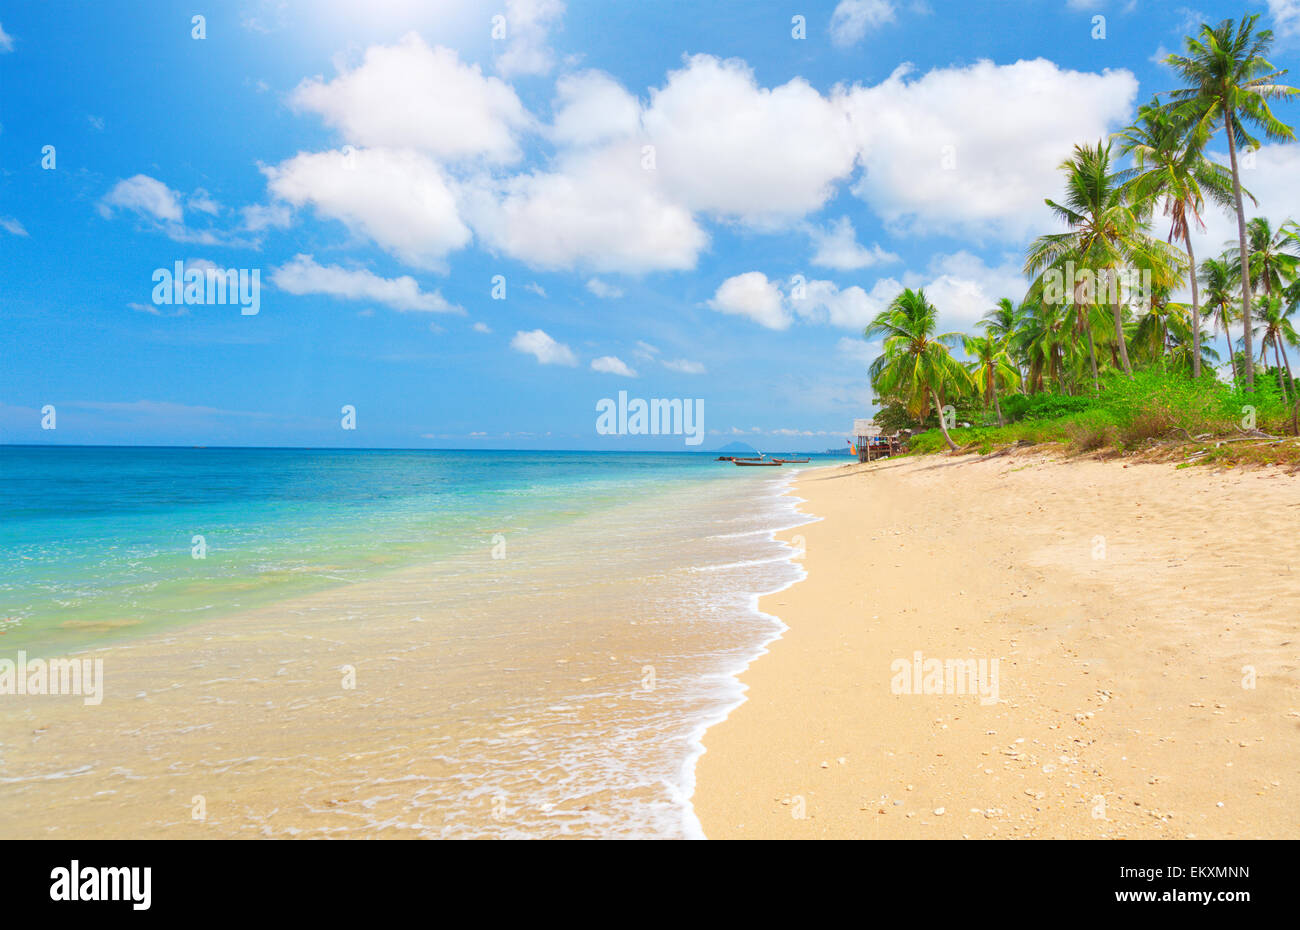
<point x="1143" y="622"/>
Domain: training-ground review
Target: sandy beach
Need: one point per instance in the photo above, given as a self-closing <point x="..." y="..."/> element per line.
<point x="1144" y="623"/>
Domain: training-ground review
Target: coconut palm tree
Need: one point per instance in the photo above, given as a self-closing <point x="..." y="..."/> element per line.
<point x="1219" y="278"/>
<point x="1229" y="83"/>
<point x="1044" y="339"/>
<point x="1005" y="323"/>
<point x="1171" y="169"/>
<point x="1276" y="329"/>
<point x="1107" y="237"/>
<point x="1274" y="257"/>
<point x="915" y="367"/>
<point x="1159" y="318"/>
<point x="991" y="366"/>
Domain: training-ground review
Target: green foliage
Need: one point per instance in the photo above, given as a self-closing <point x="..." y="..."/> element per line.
<point x="1044" y="406"/>
<point x="1153" y="405"/>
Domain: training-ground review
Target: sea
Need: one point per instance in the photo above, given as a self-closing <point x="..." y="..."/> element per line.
<point x="380" y="643"/>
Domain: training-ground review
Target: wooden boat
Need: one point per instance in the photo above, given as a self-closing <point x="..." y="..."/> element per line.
<point x="756" y="462"/>
<point x="792" y="461"/>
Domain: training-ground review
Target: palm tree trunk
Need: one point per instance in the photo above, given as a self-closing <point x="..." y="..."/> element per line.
<point x="942" y="425"/>
<point x="1281" y="379"/>
<point x="1295" y="410"/>
<point x="1119" y="332"/>
<point x="1232" y="356"/>
<point x="1196" y="306"/>
<point x="1245" y="256"/>
<point x="1092" y="354"/>
<point x="993" y="386"/>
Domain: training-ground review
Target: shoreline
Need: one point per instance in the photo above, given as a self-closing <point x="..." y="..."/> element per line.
<point x="1124" y="709"/>
<point x="469" y="697"/>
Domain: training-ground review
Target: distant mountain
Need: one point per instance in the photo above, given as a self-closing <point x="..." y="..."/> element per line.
<point x="736" y="448"/>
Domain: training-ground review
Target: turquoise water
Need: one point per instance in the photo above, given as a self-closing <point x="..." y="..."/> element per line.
<point x="99" y="542"/>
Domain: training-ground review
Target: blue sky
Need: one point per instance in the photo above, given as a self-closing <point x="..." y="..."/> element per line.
<point x="653" y="183"/>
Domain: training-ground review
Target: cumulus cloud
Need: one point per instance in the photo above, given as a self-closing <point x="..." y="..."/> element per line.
<point x="303" y="275"/>
<point x="591" y="107"/>
<point x="847" y="308"/>
<point x="400" y="199"/>
<point x="964" y="287"/>
<point x="837" y="247"/>
<point x="726" y="146"/>
<point x="853" y="19"/>
<point x="543" y="348"/>
<point x="528" y="27"/>
<point x="752" y="295"/>
<point x="972" y="150"/>
<point x="144" y="195"/>
<point x="598" y="210"/>
<point x="1286" y="17"/>
<point x="409" y="95"/>
<point x="612" y="365"/>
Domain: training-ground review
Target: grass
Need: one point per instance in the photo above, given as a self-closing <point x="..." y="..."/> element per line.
<point x="1157" y="414"/>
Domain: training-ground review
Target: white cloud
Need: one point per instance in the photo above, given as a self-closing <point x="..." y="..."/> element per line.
<point x="303" y="275"/>
<point x="481" y="327"/>
<point x="598" y="210"/>
<point x="146" y="195"/>
<point x="853" y="19"/>
<point x="725" y="146"/>
<point x="850" y="308"/>
<point x="6" y="41"/>
<point x="684" y="367"/>
<point x="612" y="365"/>
<point x="858" y="350"/>
<point x="963" y="287"/>
<point x="10" y="225"/>
<point x="838" y="247"/>
<point x="542" y="347"/>
<point x="591" y="107"/>
<point x="258" y="217"/>
<point x="751" y="294"/>
<point x="528" y="25"/>
<point x="1286" y="17"/>
<point x="974" y="150"/>
<point x="202" y="201"/>
<point x="398" y="198"/>
<point x="645" y="351"/>
<point x="409" y="95"/>
<point x="603" y="290"/>
<point x="1270" y="174"/>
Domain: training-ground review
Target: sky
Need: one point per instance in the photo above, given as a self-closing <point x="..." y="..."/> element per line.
<point x="471" y="222"/>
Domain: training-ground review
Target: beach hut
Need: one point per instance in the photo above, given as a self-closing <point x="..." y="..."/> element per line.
<point x="870" y="443"/>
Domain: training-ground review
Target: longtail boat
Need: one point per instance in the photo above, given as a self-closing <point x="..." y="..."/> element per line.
<point x="792" y="461"/>
<point x="768" y="462"/>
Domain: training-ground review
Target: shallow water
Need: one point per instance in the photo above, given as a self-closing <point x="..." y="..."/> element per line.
<point x="362" y="654"/>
